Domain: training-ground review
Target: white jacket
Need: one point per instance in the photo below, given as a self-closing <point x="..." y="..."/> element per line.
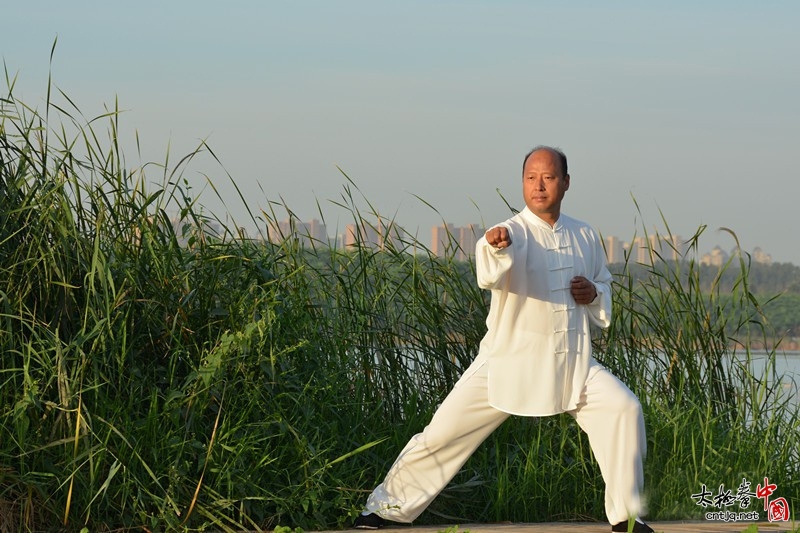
<point x="538" y="344"/>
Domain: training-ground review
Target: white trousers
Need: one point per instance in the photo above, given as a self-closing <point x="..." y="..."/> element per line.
<point x="608" y="412"/>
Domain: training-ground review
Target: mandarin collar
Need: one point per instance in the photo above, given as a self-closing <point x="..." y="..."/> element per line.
<point x="534" y="219"/>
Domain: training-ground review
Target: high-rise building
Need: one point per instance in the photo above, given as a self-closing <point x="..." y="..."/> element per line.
<point x="716" y="257"/>
<point x="468" y="237"/>
<point x="308" y="234"/>
<point x="380" y="236"/>
<point x="456" y="241"/>
<point x="654" y="248"/>
<point x="667" y="247"/>
<point x="637" y="251"/>
<point x="615" y="250"/>
<point x="759" y="256"/>
<point x="441" y="239"/>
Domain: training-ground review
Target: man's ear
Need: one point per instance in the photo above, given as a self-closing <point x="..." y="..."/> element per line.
<point x="566" y="182"/>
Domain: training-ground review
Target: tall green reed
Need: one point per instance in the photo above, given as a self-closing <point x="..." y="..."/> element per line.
<point x="685" y="352"/>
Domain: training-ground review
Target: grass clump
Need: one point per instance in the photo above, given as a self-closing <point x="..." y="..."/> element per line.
<point x="161" y="372"/>
<point x="710" y="419"/>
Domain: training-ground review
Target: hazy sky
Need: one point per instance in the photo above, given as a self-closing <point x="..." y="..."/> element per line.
<point x="691" y="108"/>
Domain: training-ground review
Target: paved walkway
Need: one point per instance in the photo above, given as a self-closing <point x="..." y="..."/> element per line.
<point x="596" y="527"/>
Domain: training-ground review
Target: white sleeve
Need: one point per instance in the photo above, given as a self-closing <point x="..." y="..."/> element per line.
<point x="492" y="264"/>
<point x="600" y="308"/>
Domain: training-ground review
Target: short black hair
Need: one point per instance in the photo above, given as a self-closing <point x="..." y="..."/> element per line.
<point x="562" y="158"/>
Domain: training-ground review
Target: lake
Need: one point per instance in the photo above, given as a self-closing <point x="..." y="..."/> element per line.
<point x="787" y="367"/>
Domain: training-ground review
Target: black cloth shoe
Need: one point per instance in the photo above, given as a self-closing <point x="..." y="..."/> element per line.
<point x="638" y="527"/>
<point x="368" y="521"/>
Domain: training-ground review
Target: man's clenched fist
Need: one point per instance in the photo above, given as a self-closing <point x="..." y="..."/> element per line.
<point x="498" y="237"/>
<point x="582" y="290"/>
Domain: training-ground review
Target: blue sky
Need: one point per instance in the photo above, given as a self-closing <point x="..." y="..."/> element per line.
<point x="691" y="108"/>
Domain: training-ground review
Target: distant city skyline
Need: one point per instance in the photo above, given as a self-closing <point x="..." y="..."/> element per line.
<point x="459" y="241"/>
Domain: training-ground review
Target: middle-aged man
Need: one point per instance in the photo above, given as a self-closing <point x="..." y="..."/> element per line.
<point x="549" y="281"/>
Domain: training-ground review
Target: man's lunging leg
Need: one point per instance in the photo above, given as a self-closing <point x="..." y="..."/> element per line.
<point x="432" y="458"/>
<point x="611" y="416"/>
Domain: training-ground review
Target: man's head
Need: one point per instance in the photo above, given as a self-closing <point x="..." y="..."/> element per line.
<point x="562" y="158"/>
<point x="544" y="182"/>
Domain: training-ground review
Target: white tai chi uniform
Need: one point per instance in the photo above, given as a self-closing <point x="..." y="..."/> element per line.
<point x="535" y="360"/>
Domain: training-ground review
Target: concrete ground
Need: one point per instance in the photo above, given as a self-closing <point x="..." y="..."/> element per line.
<point x="596" y="527"/>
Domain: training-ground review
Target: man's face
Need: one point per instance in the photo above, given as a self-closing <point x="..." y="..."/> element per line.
<point x="543" y="185"/>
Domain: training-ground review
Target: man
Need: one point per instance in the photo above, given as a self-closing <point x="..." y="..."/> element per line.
<point x="549" y="281"/>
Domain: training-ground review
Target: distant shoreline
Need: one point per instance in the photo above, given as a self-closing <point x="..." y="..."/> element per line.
<point x="790" y="346"/>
